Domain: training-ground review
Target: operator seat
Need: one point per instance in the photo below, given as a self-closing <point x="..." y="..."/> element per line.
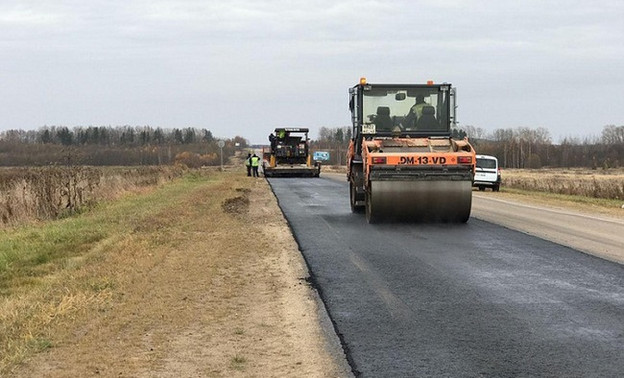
<point x="427" y="120"/>
<point x="383" y="122"/>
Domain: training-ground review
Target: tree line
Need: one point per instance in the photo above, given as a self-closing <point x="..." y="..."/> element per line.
<point x="108" y="136"/>
<point x="107" y="145"/>
<point x="520" y="147"/>
<point x="525" y="147"/>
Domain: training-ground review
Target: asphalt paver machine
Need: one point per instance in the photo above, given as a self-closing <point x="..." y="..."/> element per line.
<point x="289" y="154"/>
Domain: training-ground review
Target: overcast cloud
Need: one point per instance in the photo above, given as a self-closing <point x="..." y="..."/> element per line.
<point x="245" y="67"/>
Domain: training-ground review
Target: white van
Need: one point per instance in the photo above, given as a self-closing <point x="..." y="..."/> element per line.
<point x="488" y="173"/>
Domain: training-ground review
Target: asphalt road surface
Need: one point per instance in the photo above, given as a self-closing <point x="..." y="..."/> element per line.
<point x="475" y="299"/>
<point x="593" y="234"/>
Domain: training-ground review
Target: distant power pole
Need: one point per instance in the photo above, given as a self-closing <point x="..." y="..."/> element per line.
<point x="221" y="144"/>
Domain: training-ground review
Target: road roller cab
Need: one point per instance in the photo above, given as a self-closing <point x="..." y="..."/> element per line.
<point x="402" y="162"/>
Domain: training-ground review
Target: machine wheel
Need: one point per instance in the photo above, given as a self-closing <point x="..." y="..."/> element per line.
<point x="481" y="188"/>
<point x="496" y="188"/>
<point x="352" y="197"/>
<point x="461" y="218"/>
<point x="370" y="212"/>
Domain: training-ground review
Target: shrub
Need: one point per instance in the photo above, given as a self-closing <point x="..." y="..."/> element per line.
<point x="53" y="192"/>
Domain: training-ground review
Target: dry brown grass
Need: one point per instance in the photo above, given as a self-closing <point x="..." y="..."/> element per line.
<point x="196" y="278"/>
<point x="53" y="273"/>
<point x="607" y="184"/>
<point x="28" y="194"/>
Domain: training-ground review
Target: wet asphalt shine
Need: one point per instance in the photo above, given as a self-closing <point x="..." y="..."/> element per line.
<point x="455" y="300"/>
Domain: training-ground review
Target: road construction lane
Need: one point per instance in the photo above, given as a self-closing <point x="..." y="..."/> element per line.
<point x="598" y="235"/>
<point x="455" y="300"/>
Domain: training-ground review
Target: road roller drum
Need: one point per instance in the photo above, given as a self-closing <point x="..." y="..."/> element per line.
<point x="419" y="201"/>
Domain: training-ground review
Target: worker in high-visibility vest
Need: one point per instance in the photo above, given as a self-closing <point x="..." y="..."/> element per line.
<point x="248" y="164"/>
<point x="414" y="113"/>
<point x="419" y="105"/>
<point x="255" y="163"/>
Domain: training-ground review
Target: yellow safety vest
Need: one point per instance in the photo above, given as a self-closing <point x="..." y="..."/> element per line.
<point x="255" y="161"/>
<point x="418" y="108"/>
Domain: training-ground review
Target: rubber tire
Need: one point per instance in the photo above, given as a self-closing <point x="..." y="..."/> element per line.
<point x="370" y="218"/>
<point x="481" y="188"/>
<point x="358" y="209"/>
<point x="496" y="188"/>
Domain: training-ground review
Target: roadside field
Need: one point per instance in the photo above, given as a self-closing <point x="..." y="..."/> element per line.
<point x="605" y="184"/>
<point x="196" y="277"/>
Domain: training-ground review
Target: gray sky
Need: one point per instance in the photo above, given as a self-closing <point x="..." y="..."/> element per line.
<point x="244" y="67"/>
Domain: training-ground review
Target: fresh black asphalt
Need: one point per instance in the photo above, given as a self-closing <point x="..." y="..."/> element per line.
<point x="467" y="300"/>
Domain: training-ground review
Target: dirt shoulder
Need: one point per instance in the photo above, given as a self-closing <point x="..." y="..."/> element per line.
<point x="213" y="285"/>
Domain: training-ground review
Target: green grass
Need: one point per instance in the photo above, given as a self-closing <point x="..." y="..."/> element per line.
<point x="238" y="362"/>
<point x="30" y="252"/>
<point x="239" y="331"/>
<point x="53" y="270"/>
<point x="41" y="344"/>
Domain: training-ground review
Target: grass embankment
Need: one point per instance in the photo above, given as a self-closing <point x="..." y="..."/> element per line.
<point x="43" y="193"/>
<point x="88" y="266"/>
<point x="582" y="189"/>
